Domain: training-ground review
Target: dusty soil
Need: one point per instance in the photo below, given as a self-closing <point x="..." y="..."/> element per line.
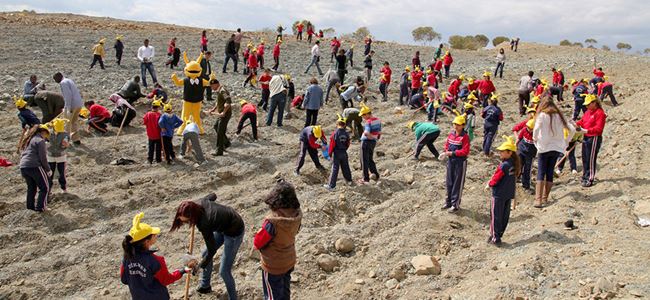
<point x="73" y="250"/>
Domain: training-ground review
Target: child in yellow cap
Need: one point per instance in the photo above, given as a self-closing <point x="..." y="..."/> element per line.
<point x="457" y="151"/>
<point x="56" y="157"/>
<point x="338" y="151"/>
<point x="527" y="151"/>
<point x="309" y="138"/>
<point x="405" y="85"/>
<point x="503" y="189"/>
<point x="142" y="270"/>
<point x="98" y="54"/>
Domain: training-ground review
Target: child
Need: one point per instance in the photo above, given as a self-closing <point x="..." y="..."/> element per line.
<point x="371" y="134"/>
<point x="26" y="116"/>
<point x="297" y="101"/>
<point x="447" y="61"/>
<point x="353" y="121"/>
<point x="260" y="54"/>
<point x="276" y="240"/>
<point x="252" y="68"/>
<point x="384" y="81"/>
<point x="350" y="55"/>
<point x="338" y="147"/>
<point x="246" y="55"/>
<point x="579" y="92"/>
<point x="425" y="134"/>
<point x="167" y="123"/>
<point x="485" y="88"/>
<point x="416" y="77"/>
<point x="56" y="157"/>
<point x="470" y="117"/>
<point x="98" y="118"/>
<point x="264" y="81"/>
<point x="404" y="85"/>
<point x="276" y="54"/>
<point x="98" y="54"/>
<point x="150" y="121"/>
<point x="493" y="117"/>
<point x="308" y="138"/>
<point x="415" y="62"/>
<point x="191" y="136"/>
<point x="521" y="125"/>
<point x="158" y="91"/>
<point x="248" y="112"/>
<point x="527" y="151"/>
<point x="457" y="150"/>
<point x="571" y="148"/>
<point x="142" y="270"/>
<point x="34" y="167"/>
<point x="503" y="189"/>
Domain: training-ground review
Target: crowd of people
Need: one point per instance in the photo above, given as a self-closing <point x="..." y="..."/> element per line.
<point x="544" y="133"/>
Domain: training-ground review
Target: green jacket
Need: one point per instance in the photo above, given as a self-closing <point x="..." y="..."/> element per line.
<point x="423" y="128"/>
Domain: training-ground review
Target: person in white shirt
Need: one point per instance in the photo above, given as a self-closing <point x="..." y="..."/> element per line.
<point x="145" y="55"/>
<point x="315" y="58"/>
<point x="72" y="104"/>
<point x="501" y="61"/>
<point x="278" y="87"/>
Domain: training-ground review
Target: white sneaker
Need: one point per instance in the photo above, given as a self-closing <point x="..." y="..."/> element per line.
<point x="179" y="157"/>
<point x="557" y="172"/>
<point x="574" y="171"/>
<point x="328" y="187"/>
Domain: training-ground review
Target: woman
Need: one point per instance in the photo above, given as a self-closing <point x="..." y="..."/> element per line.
<point x="34" y="166"/>
<point x="312" y="102"/>
<point x="551" y="135"/>
<point x="204" y="41"/>
<point x="123" y="109"/>
<point x="592" y="125"/>
<point x="501" y="61"/>
<point x="341" y="61"/>
<point x="219" y="225"/>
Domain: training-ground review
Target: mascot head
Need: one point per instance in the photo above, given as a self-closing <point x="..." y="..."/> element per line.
<point x="192" y="68"/>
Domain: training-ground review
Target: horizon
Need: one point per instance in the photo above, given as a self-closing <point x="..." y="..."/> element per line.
<point x="615" y="22"/>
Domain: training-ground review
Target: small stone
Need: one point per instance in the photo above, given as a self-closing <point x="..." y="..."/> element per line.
<point x="277" y="174"/>
<point x="636" y="293"/>
<point x="425" y="265"/>
<point x="344" y="245"/>
<point x="327" y="262"/>
<point x="503" y="265"/>
<point x="295" y="279"/>
<point x="585" y="291"/>
<point x="594" y="221"/>
<point x="372" y="274"/>
<point x="391" y="284"/>
<point x="20" y="282"/>
<point x="105" y="292"/>
<point x="409" y="178"/>
<point x="359" y="281"/>
<point x="604" y="285"/>
<point x="397" y="273"/>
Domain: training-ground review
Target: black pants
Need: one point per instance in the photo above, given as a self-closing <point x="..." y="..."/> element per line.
<point x="499" y="69"/>
<point x="313" y="153"/>
<point x="339" y="160"/>
<point x="118" y="56"/>
<point x="248" y="116"/>
<point x="500" y="215"/>
<point x="341" y="73"/>
<point x="169" y="148"/>
<point x="208" y="93"/>
<point x="354" y="122"/>
<point x="367" y="161"/>
<point x="579" y="106"/>
<point x="276" y="60"/>
<point x="590" y="149"/>
<point x="383" y="89"/>
<point x="36" y="180"/>
<point x="524" y="101"/>
<point x="403" y="93"/>
<point x="119" y="115"/>
<point x="447" y="71"/>
<point x="260" y="60"/>
<point x="265" y="99"/>
<point x="299" y="36"/>
<point x="277" y="286"/>
<point x="427" y="139"/>
<point x="527" y="158"/>
<point x="232" y="57"/>
<point x="608" y="91"/>
<point x="99" y="124"/>
<point x="345" y="103"/>
<point x="455" y="181"/>
<point x="571" y="158"/>
<point x="97" y="58"/>
<point x="60" y="167"/>
<point x="311" y="117"/>
<point x="220" y="126"/>
<point x="252" y="73"/>
<point x="484" y="99"/>
<point x="154" y="147"/>
<point x="488" y="137"/>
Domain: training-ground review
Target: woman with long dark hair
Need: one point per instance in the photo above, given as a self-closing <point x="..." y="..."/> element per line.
<point x="219" y="225"/>
<point x="34" y="166"/>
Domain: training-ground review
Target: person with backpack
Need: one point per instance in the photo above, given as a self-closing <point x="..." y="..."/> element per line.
<point x="493" y="116"/>
<point x="338" y="147"/>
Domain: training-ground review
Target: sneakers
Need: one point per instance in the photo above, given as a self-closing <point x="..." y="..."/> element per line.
<point x="180" y="157"/>
<point x="446" y="206"/>
<point x="587" y="183"/>
<point x="374" y="177"/>
<point x="296" y="173"/>
<point x="362" y="182"/>
<point x="574" y="171"/>
<point x="328" y="187"/>
<point x="558" y="172"/>
<point x="204" y="290"/>
<point x="349" y="183"/>
<point x="452" y="209"/>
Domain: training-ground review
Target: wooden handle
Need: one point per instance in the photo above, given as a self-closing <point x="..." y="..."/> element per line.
<point x="189" y="275"/>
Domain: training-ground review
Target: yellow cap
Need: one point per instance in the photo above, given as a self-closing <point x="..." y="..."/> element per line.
<point x="472" y="97"/>
<point x="425" y="84"/>
<point x="102" y="41"/>
<point x="589" y="98"/>
<point x="531" y="123"/>
<point x="429" y="71"/>
<point x="487" y="74"/>
<point x="364" y="110"/>
<point x="156" y="103"/>
<point x="461" y="77"/>
<point x="84" y="113"/>
<point x="446" y="52"/>
<point x="509" y="144"/>
<point x="530" y="110"/>
<point x="20" y="102"/>
<point x="468" y="105"/>
<point x="341" y="118"/>
<point x="140" y="230"/>
<point x="59" y="124"/>
<point x="494" y="97"/>
<point x="459" y="119"/>
<point x="544" y="81"/>
<point x="585" y="80"/>
<point x="407" y="69"/>
<point x="287" y="77"/>
<point x="572" y="81"/>
<point x="44" y="126"/>
<point x="606" y="77"/>
<point x="317" y="131"/>
<point x="168" y="107"/>
<point x="249" y="45"/>
<point x="417" y="69"/>
<point x="410" y="125"/>
<point x="279" y="41"/>
<point x="535" y="99"/>
<point x="425" y="93"/>
<point x="119" y="37"/>
<point x="243" y="102"/>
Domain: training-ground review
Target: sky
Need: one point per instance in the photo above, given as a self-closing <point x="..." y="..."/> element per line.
<point x="549" y="22"/>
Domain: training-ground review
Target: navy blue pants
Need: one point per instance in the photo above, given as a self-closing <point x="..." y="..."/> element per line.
<point x="578" y="107"/>
<point x="546" y="165"/>
<point x="169" y="148"/>
<point x="456" y="169"/>
<point x="571" y="158"/>
<point x="590" y="149"/>
<point x="447" y="71"/>
<point x="608" y="91"/>
<point x="526" y="158"/>
<point x="383" y="89"/>
<point x="60" y="167"/>
<point x="155" y="147"/>
<point x="367" y="162"/>
<point x="276" y="286"/>
<point x="403" y="93"/>
<point x="427" y="139"/>
<point x="488" y="137"/>
<point x="313" y="153"/>
<point x="340" y="160"/>
<point x="37" y="180"/>
<point x="499" y="217"/>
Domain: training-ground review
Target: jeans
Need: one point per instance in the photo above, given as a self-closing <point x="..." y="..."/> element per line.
<point x="193" y="139"/>
<point x="278" y="102"/>
<point x="331" y="84"/>
<point x="231" y="246"/>
<point x="311" y="117"/>
<point x="546" y="165"/>
<point x="314" y="61"/>
<point x="144" y="67"/>
<point x="499" y="69"/>
<point x="229" y="57"/>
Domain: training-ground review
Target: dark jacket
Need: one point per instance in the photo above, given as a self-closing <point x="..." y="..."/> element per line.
<point x="219" y="218"/>
<point x="35" y="154"/>
<point x="130" y="89"/>
<point x="50" y="103"/>
<point x="503" y="181"/>
<point x="230" y="47"/>
<point x="206" y="68"/>
<point x="27" y="118"/>
<point x="147" y="276"/>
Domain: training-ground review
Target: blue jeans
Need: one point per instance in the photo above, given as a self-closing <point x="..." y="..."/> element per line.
<point x="144" y="67"/>
<point x="278" y="101"/>
<point x="231" y="246"/>
<point x="314" y="61"/>
<point x="546" y="165"/>
<point x="229" y="57"/>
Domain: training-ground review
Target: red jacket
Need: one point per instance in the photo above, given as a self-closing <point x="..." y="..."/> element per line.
<point x="454" y="87"/>
<point x="98" y="111"/>
<point x="387" y="74"/>
<point x="299" y="27"/>
<point x="335" y="44"/>
<point x="252" y="61"/>
<point x="539" y="89"/>
<point x="447" y="60"/>
<point x="599" y="73"/>
<point x="486" y="87"/>
<point x="248" y="108"/>
<point x="601" y="86"/>
<point x="260" y="50"/>
<point x="276" y="50"/>
<point x="526" y="135"/>
<point x="438" y="65"/>
<point x="265" y="78"/>
<point x="593" y="121"/>
<point x="431" y="79"/>
<point x="520" y="125"/>
<point x="458" y="144"/>
<point x="415" y="79"/>
<point x="474" y="86"/>
<point x="557" y="77"/>
<point x="150" y="121"/>
<point x="171" y="47"/>
<point x="310" y="31"/>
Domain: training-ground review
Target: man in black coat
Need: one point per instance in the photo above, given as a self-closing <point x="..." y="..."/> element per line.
<point x="206" y="70"/>
<point x="231" y="53"/>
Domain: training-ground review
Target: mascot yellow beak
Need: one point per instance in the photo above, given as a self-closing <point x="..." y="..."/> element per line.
<point x="192" y="68"/>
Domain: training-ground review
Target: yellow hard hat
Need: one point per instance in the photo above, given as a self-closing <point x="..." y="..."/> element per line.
<point x="20" y="102"/>
<point x="470" y="80"/>
<point x="167" y="107"/>
<point x="530" y="110"/>
<point x="461" y="77"/>
<point x="59" y="124"/>
<point x="509" y="144"/>
<point x="287" y="77"/>
<point x="341" y="118"/>
<point x="472" y="97"/>
<point x="468" y="105"/>
<point x="317" y="131"/>
<point x="535" y="99"/>
<point x="531" y="123"/>
<point x="407" y="69"/>
<point x="487" y="74"/>
<point x="364" y="110"/>
<point x="243" y="102"/>
<point x="410" y="125"/>
<point x="494" y="97"/>
<point x="141" y="230"/>
<point x="590" y="98"/>
<point x="84" y="113"/>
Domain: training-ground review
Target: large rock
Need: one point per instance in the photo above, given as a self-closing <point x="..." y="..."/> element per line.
<point x="327" y="262"/>
<point x="344" y="245"/>
<point x="425" y="265"/>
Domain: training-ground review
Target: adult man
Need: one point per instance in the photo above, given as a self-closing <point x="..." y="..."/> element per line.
<point x="367" y="64"/>
<point x="278" y="89"/>
<point x="131" y="90"/>
<point x="231" y="53"/>
<point x="50" y="103"/>
<point x="72" y="104"/>
<point x="206" y="70"/>
<point x="30" y="88"/>
<point x="145" y="56"/>
<point x="237" y="38"/>
<point x="315" y="58"/>
<point x="224" y="112"/>
<point x="525" y="87"/>
<point x="331" y="80"/>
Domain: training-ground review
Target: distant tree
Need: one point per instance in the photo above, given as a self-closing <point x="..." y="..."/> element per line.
<point x="499" y="39"/>
<point x="463" y="42"/>
<point x="329" y="31"/>
<point x="306" y="23"/>
<point x="646" y="51"/>
<point x="482" y="40"/>
<point x="605" y="48"/>
<point x="566" y="43"/>
<point x="623" y="46"/>
<point x="578" y="44"/>
<point x="591" y="41"/>
<point x="361" y="33"/>
<point x="425" y="35"/>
